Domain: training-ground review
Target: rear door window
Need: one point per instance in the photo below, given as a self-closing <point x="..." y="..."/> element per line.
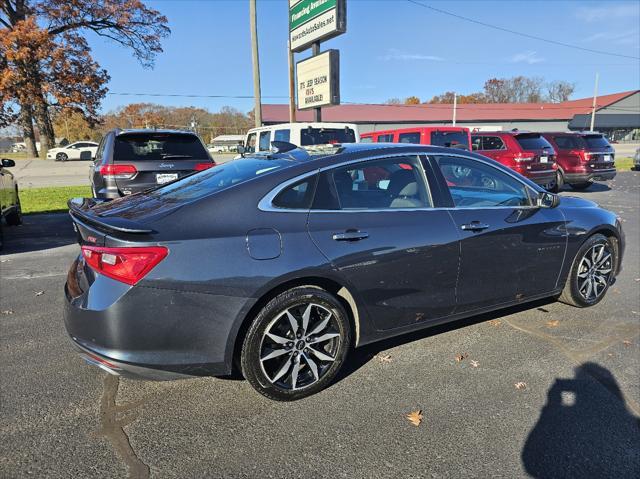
<point x="281" y="135"/>
<point x="387" y="138"/>
<point x="366" y="139"/>
<point x="450" y="139"/>
<point x="413" y="137"/>
<point x="265" y="140"/>
<point x="158" y="147"/>
<point x="532" y="141"/>
<point x="567" y="142"/>
<point x="381" y="184"/>
<point x="297" y="196"/>
<point x="492" y="143"/>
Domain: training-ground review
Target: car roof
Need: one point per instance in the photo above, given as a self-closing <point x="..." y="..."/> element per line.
<point x="510" y="133"/>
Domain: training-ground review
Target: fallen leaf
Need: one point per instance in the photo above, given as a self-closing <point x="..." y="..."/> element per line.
<point x="415" y="417"/>
<point x="461" y="357"/>
<point x="553" y="323"/>
<point x="520" y="385"/>
<point x="494" y="322"/>
<point x="386" y="358"/>
<point x="38" y="293"/>
<point x="475" y="364"/>
<point x="8" y="311"/>
<point x="626" y="342"/>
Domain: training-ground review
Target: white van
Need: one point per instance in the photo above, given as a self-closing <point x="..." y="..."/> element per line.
<point x="300" y="134"/>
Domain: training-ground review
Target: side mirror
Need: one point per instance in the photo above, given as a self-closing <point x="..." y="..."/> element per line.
<point x="6" y="163"/>
<point x="474" y="147"/>
<point x="241" y="150"/>
<point x="548" y="200"/>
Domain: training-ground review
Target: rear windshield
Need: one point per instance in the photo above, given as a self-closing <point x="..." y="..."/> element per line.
<point x="596" y="141"/>
<point x="450" y="139"/>
<point x="532" y="141"/>
<point x="217" y="178"/>
<point x="158" y="147"/>
<point x="323" y="136"/>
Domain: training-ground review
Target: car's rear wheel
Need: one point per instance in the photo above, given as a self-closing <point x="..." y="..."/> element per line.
<point x="581" y="186"/>
<point x="591" y="273"/>
<point x="15" y="217"/>
<point x="62" y="157"/>
<point x="297" y="344"/>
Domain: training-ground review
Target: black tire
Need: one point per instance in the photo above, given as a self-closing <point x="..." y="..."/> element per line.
<point x="62" y="157"/>
<point x="1" y="235"/>
<point x="573" y="293"/>
<point x="556" y="186"/>
<point x="299" y="357"/>
<point x="580" y="186"/>
<point x="15" y="217"/>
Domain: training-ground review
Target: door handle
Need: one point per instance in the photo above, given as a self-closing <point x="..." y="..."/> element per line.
<point x="351" y="235"/>
<point x="474" y="226"/>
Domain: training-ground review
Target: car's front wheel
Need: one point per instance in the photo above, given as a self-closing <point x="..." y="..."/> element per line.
<point x="591" y="273"/>
<point x="297" y="344"/>
<point x="62" y="157"/>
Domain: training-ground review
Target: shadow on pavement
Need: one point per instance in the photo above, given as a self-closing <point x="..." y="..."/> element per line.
<point x="596" y="187"/>
<point x="39" y="232"/>
<point x="584" y="430"/>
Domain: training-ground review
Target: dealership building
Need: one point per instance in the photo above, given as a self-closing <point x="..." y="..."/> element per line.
<point x="617" y="115"/>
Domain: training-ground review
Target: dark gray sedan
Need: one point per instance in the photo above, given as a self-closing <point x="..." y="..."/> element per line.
<point x="279" y="264"/>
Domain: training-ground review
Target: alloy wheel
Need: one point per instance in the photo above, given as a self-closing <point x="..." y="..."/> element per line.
<point x="299" y="346"/>
<point x="594" y="271"/>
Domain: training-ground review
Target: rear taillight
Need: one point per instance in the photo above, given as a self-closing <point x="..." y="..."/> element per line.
<point x="128" y="265"/>
<point x="203" y="166"/>
<point x="119" y="172"/>
<point x="583" y="155"/>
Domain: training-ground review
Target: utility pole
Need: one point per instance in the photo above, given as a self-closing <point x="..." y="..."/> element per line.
<point x="455" y="107"/>
<point x="593" y="108"/>
<point x="256" y="63"/>
<point x="292" y="87"/>
<point x="317" y="112"/>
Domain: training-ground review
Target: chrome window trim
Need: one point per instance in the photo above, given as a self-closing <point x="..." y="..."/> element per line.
<point x="265" y="204"/>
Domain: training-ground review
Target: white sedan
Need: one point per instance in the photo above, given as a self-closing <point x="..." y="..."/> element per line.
<point x="80" y="150"/>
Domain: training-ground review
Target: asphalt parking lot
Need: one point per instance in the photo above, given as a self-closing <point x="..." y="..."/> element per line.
<point x="574" y="412"/>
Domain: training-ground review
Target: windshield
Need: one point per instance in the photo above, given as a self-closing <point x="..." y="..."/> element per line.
<point x="533" y="141"/>
<point x="323" y="136"/>
<point x="158" y="147"/>
<point x="450" y="139"/>
<point x="596" y="141"/>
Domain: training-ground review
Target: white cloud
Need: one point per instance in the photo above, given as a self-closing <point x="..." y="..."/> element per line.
<point x="628" y="37"/>
<point x="531" y="57"/>
<point x="394" y="54"/>
<point x="610" y="12"/>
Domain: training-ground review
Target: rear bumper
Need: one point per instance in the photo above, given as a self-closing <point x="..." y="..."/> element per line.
<point x="542" y="178"/>
<point x="589" y="176"/>
<point x="151" y="333"/>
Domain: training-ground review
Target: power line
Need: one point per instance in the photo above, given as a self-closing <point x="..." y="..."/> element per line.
<point x="526" y="35"/>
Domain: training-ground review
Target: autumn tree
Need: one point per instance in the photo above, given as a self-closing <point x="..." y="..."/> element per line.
<point x="558" y="91"/>
<point x="67" y="76"/>
<point x="448" y="97"/>
<point x="412" y="100"/>
<point x="73" y="126"/>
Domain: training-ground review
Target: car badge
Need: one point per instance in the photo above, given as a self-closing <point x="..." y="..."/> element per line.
<point x="93" y="239"/>
<point x="166" y="165"/>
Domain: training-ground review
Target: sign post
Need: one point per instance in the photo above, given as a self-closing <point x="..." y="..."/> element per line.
<point x="310" y="22"/>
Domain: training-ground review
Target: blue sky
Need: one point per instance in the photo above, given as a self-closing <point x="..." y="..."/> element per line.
<point x="392" y="48"/>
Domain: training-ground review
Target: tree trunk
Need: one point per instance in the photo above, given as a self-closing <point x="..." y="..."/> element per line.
<point x="45" y="128"/>
<point x="25" y="120"/>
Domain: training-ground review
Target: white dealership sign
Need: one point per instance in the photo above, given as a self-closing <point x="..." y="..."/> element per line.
<point x="318" y="80"/>
<point x="315" y="20"/>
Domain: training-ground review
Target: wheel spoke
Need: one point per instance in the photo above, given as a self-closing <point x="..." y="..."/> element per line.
<point x="294" y="372"/>
<point x="587" y="294"/>
<point x="603" y="260"/>
<point x="293" y="322"/>
<point x="604" y="270"/>
<point x="305" y="317"/>
<point x="321" y="356"/>
<point x="283" y="370"/>
<point x="324" y="337"/>
<point x="600" y="253"/>
<point x="321" y="325"/>
<point x="583" y="274"/>
<point x="313" y="366"/>
<point x="274" y="354"/>
<point x="277" y="339"/>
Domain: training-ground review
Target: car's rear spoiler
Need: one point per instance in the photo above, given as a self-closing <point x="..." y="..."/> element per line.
<point x="80" y="209"/>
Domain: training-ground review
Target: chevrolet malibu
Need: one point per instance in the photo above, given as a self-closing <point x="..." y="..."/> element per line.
<point x="278" y="264"/>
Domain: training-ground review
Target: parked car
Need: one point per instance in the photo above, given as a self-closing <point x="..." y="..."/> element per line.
<point x="447" y="136"/>
<point x="10" y="208"/>
<point x="216" y="148"/>
<point x="582" y="157"/>
<point x="300" y="134"/>
<point x="636" y="160"/>
<point x="130" y="161"/>
<point x="525" y="152"/>
<point x="80" y="150"/>
<point x="262" y="263"/>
